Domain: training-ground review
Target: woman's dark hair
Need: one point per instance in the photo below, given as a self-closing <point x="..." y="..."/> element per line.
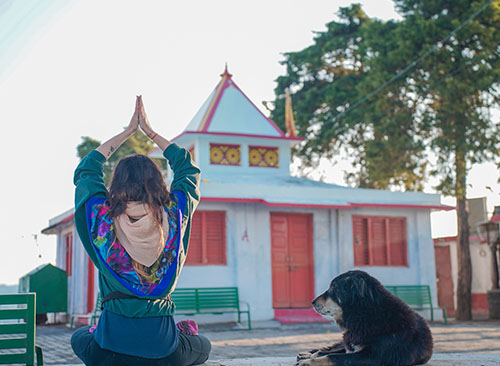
<point x="137" y="178"/>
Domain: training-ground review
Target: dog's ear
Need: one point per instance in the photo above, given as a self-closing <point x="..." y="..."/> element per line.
<point x="359" y="289"/>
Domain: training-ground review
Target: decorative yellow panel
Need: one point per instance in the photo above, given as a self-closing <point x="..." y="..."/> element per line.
<point x="224" y="154"/>
<point x="263" y="156"/>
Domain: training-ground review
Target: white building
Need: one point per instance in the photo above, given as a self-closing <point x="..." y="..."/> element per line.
<point x="280" y="239"/>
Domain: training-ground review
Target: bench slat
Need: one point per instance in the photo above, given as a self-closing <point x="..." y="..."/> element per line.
<point x="9" y="299"/>
<point x="13" y="358"/>
<point x="10" y="343"/>
<point x="13" y="313"/>
<point x="17" y="328"/>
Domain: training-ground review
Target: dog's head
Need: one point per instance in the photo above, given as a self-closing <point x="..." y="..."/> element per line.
<point x="353" y="290"/>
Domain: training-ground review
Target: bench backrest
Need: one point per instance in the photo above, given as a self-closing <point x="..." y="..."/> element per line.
<point x="17" y="327"/>
<point x="412" y="294"/>
<point x="98" y="305"/>
<point x="206" y="298"/>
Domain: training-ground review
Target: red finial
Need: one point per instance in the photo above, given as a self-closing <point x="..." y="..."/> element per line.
<point x="226" y="73"/>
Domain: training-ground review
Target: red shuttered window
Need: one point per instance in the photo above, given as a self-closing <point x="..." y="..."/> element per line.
<point x="379" y="241"/>
<point x="68" y="249"/>
<point x="207" y="244"/>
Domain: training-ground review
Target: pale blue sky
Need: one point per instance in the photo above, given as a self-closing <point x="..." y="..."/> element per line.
<point x="72" y="68"/>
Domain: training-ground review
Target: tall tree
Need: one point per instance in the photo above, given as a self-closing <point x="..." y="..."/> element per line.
<point x="332" y="74"/>
<point x="136" y="144"/>
<point x="440" y="105"/>
<point x="460" y="82"/>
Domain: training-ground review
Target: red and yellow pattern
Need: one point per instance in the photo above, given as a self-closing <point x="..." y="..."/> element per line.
<point x="263" y="156"/>
<point x="225" y="154"/>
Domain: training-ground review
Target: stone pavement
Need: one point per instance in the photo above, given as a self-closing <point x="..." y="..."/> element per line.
<point x="271" y="344"/>
<point x="439" y="359"/>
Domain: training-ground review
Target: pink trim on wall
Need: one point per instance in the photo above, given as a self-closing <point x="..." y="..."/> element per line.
<point x="238" y="134"/>
<point x="263" y="147"/>
<point x="398" y="205"/>
<point x="68" y="219"/>
<point x="282" y="204"/>
<point x="267" y="203"/>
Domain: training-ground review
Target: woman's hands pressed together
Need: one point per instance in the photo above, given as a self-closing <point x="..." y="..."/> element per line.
<point x="148" y="130"/>
<point x="139" y="118"/>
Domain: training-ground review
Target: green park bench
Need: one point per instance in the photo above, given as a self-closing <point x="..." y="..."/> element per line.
<point x="17" y="330"/>
<point x="93" y="317"/>
<point x="418" y="297"/>
<point x="218" y="300"/>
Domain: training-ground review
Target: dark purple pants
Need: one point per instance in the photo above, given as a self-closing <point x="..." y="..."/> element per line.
<point x="192" y="350"/>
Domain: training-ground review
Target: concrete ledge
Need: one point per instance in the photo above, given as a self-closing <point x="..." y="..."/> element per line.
<point x="438" y="359"/>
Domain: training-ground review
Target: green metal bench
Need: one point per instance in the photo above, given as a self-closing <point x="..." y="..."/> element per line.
<point x="17" y="330"/>
<point x="418" y="297"/>
<point x="93" y="316"/>
<point x="218" y="300"/>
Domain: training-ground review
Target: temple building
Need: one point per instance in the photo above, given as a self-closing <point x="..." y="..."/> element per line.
<point x="279" y="238"/>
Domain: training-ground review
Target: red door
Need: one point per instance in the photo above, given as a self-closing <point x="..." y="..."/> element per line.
<point x="292" y="260"/>
<point x="445" y="280"/>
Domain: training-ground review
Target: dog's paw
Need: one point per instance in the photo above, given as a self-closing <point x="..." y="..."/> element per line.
<point x="305" y="362"/>
<point x="304" y="355"/>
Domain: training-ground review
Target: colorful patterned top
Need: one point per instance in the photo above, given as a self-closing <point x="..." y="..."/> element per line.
<point x="96" y="231"/>
<point x="118" y="261"/>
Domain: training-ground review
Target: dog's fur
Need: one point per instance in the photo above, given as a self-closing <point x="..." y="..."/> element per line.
<point x="379" y="328"/>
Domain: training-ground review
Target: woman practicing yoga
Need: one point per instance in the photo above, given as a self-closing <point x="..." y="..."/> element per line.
<point x="137" y="235"/>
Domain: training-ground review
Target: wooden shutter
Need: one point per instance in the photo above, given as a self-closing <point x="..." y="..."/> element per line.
<point x="207" y="244"/>
<point x="360" y="235"/>
<point x="215" y="237"/>
<point x="379" y="241"/>
<point x="397" y="241"/>
<point x="68" y="248"/>
<point x="378" y="244"/>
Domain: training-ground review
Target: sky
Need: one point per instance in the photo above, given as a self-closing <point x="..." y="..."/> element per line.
<point x="73" y="68"/>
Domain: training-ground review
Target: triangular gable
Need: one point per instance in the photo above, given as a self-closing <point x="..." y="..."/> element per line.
<point x="229" y="111"/>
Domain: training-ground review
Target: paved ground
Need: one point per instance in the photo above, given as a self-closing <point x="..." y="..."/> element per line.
<point x="479" y="341"/>
<point x="439" y="359"/>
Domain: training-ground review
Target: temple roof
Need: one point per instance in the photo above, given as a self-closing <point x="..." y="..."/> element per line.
<point x="289" y="191"/>
<point x="228" y="111"/>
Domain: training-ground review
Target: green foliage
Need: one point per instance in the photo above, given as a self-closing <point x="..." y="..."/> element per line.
<point x="441" y="106"/>
<point x="136" y="144"/>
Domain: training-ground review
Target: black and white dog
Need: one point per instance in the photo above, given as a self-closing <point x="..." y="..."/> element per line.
<point x="379" y="328"/>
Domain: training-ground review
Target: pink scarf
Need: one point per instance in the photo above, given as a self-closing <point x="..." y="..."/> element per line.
<point x="140" y="234"/>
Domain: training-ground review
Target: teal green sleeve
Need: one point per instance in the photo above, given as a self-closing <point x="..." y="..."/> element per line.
<point x="89" y="183"/>
<point x="187" y="180"/>
<point x="88" y="179"/>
